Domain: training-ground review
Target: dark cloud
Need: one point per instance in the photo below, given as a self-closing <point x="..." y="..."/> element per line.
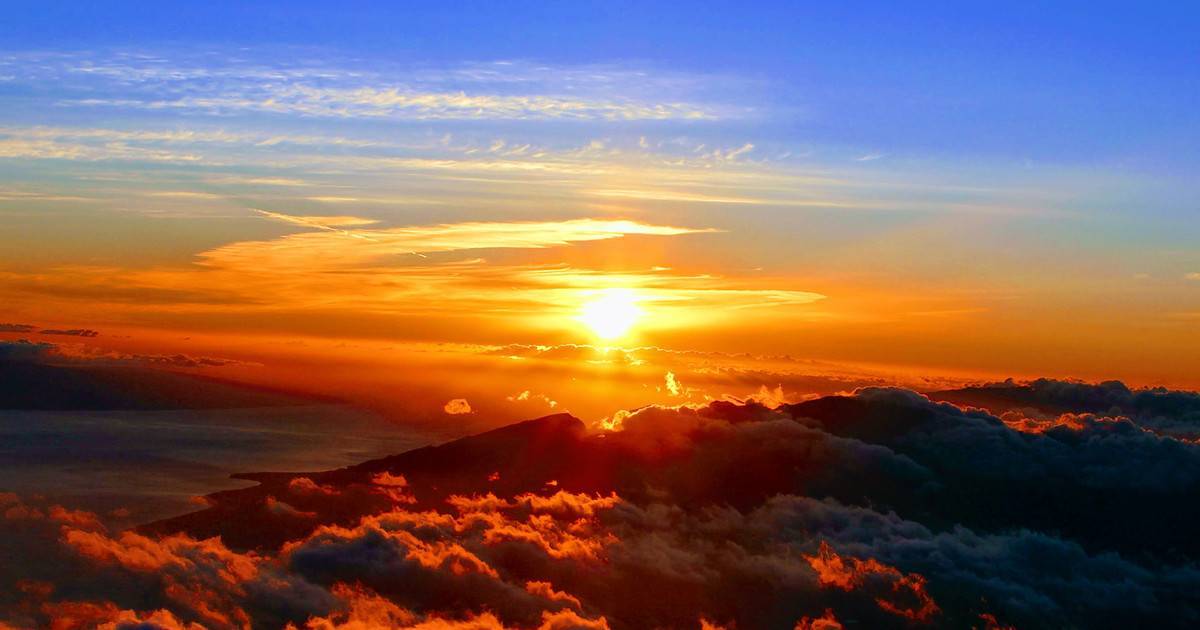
<point x="1030" y="579"/>
<point x="171" y="360"/>
<point x="18" y="328"/>
<point x="1159" y="409"/>
<point x="25" y="350"/>
<point x="953" y="440"/>
<point x="1095" y="481"/>
<point x="36" y="376"/>
<point x="41" y="375"/>
<point x="71" y="354"/>
<point x="73" y="332"/>
<point x="880" y="508"/>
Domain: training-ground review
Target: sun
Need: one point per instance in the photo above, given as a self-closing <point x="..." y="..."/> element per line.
<point x="611" y="314"/>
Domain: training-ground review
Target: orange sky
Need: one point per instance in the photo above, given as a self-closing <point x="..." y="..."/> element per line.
<point x="404" y="318"/>
<point x="297" y="239"/>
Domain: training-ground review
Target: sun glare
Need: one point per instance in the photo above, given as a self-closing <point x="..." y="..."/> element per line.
<point x="611" y="314"/>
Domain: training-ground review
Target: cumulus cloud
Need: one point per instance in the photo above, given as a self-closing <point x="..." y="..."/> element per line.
<point x="457" y="406"/>
<point x="527" y="395"/>
<point x="849" y="574"/>
<point x="881" y="508"/>
<point x="673" y="386"/>
<point x="1158" y="409"/>
<point x="306" y="486"/>
<point x="769" y="396"/>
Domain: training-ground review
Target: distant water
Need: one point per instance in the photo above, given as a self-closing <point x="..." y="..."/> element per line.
<point x="154" y="463"/>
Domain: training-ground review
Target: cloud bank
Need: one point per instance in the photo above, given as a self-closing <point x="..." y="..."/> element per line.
<point x="880" y="508"/>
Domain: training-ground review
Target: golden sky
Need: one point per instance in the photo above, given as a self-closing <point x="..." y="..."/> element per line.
<point x="404" y="238"/>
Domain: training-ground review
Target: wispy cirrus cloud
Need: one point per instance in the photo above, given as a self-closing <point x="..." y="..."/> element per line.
<point x="48" y="149"/>
<point x="321" y="223"/>
<point x="33" y="195"/>
<point x="340" y="169"/>
<point x="399" y="103"/>
<point x="381" y="242"/>
<point x="315" y="87"/>
<point x="182" y="194"/>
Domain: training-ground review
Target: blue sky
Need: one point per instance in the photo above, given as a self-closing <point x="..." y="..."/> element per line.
<point x="1080" y="83"/>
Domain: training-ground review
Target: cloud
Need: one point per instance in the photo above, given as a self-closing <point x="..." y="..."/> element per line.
<point x="224" y="84"/>
<point x="421" y="561"/>
<point x="183" y="194"/>
<point x="321" y="223"/>
<point x="849" y="574"/>
<point x="401" y="104"/>
<point x="526" y="395"/>
<point x="106" y="616"/>
<point x="672" y="195"/>
<point x="73" y="332"/>
<point x="77" y="355"/>
<point x="45" y="376"/>
<point x="673" y="386"/>
<point x="564" y="352"/>
<point x="769" y="397"/>
<point x="329" y="247"/>
<point x="25" y="350"/>
<point x="826" y="621"/>
<point x="457" y="406"/>
<point x="1042" y="481"/>
<point x="738" y="152"/>
<point x="306" y="486"/>
<point x="192" y="578"/>
<point x="46" y="149"/>
<point x="1156" y="409"/>
<point x="364" y="269"/>
<point x="18" y="328"/>
<point x="882" y="507"/>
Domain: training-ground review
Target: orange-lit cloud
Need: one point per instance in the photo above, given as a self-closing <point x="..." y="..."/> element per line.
<point x="378" y="244"/>
<point x="748" y="516"/>
<point x="358" y="269"/>
<point x="457" y="406"/>
<point x="852" y="573"/>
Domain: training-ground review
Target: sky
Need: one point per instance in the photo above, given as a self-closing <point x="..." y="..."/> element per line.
<point x="592" y="205"/>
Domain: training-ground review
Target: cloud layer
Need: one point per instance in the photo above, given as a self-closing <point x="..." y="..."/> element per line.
<point x="881" y="508"/>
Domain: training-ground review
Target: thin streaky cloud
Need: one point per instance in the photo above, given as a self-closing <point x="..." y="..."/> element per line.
<point x="332" y="88"/>
<point x="407" y="105"/>
<point x="183" y="194"/>
<point x="306" y="249"/>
